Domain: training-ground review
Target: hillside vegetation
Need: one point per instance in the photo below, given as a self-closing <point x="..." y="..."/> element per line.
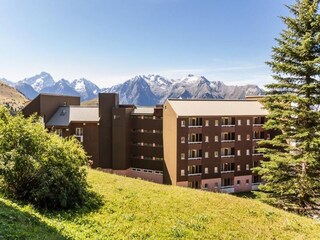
<point x="11" y="97"/>
<point x="92" y="102"/>
<point x="136" y="209"/>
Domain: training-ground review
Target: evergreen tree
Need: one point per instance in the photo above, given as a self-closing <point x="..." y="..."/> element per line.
<point x="292" y="172"/>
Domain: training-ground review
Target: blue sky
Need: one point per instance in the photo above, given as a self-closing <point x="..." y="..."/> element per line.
<point x="109" y="41"/>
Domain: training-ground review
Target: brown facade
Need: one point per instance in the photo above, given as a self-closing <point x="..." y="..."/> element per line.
<point x="46" y="105"/>
<point x="212" y="152"/>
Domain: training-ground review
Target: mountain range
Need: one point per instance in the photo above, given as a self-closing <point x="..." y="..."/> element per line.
<point x="143" y="90"/>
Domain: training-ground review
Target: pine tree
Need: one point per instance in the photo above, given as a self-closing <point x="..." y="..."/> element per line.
<point x="292" y="172"/>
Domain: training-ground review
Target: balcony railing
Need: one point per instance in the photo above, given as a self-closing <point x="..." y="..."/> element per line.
<point x="226" y="141"/>
<point x="258" y="124"/>
<point x="256" y="184"/>
<point x="195" y="126"/>
<point x="228" y="171"/>
<point x="257" y="154"/>
<point x="257" y="139"/>
<point x="227" y="125"/>
<point x="194" y="174"/>
<point x="79" y="137"/>
<point x="225" y="187"/>
<point x="198" y="142"/>
<point x="227" y="156"/>
<point x="194" y="158"/>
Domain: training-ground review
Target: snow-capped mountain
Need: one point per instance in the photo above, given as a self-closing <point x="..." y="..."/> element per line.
<point x="85" y="88"/>
<point x="26" y="90"/>
<point x="62" y="87"/>
<point x="135" y="90"/>
<point x="154" y="89"/>
<point x="193" y="87"/>
<point x="40" y="81"/>
<point x="140" y="90"/>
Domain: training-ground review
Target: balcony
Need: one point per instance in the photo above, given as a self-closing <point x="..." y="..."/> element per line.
<point x="228" y="122"/>
<point x="194" y="158"/>
<point x="228" y="171"/>
<point x="227" y="189"/>
<point x="259" y="121"/>
<point x="228" y="141"/>
<point x="257" y="154"/>
<point x="255" y="186"/>
<point x="195" y="126"/>
<point x="79" y="138"/>
<point x="228" y="125"/>
<point x="198" y="142"/>
<point x="257" y="139"/>
<point x="227" y="156"/>
<point x="194" y="174"/>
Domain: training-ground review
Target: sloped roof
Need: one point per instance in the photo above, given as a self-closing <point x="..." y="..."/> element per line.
<point x="217" y="107"/>
<point x="67" y="114"/>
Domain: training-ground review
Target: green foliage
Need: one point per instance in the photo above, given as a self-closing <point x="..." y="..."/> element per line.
<point x="139" y="209"/>
<point x="293" y="171"/>
<point x="40" y="167"/>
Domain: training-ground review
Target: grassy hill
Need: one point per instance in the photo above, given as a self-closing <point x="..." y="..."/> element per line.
<point x="92" y="102"/>
<point x="135" y="209"/>
<point x="11" y="97"/>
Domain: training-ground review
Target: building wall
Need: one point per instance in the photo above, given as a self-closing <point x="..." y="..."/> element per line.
<point x="121" y="142"/>
<point x="107" y="101"/>
<point x="208" y="161"/>
<point x="90" y="139"/>
<point x="170" y="123"/>
<point x="146" y="141"/>
<point x="46" y="105"/>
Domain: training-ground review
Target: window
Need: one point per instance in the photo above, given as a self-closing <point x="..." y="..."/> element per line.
<point x="216" y="123"/>
<point x="248" y="136"/>
<point x="79" y="131"/>
<point x="248" y="152"/>
<point x="183" y="156"/>
<point x="206" y="154"/>
<point x="216" y="154"/>
<point x="238" y="182"/>
<point x="182" y="172"/>
<point x="247" y="167"/>
<point x="206" y="138"/>
<point x="206" y="185"/>
<point x="238" y="168"/>
<point x="239" y="122"/>
<point x="216" y="185"/>
<point x="207" y="123"/>
<point x="247" y="181"/>
<point x="239" y="137"/>
<point x="248" y="121"/>
<point x="206" y="170"/>
<point x="215" y="169"/>
<point x="116" y="117"/>
<point x="238" y="152"/>
<point x="268" y="136"/>
<point x="216" y="138"/>
<point x="183" y="123"/>
<point x="183" y="140"/>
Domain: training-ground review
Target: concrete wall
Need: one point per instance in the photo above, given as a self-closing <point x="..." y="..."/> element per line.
<point x="170" y="144"/>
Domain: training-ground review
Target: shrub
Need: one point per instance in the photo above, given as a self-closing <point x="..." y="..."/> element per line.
<point x="40" y="167"/>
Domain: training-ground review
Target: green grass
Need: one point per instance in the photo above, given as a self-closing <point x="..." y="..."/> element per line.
<point x="135" y="209"/>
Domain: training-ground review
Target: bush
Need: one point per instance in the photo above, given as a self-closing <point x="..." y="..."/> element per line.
<point x="40" y="167"/>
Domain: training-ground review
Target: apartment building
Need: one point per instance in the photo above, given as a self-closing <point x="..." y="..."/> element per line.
<point x="211" y="144"/>
<point x="207" y="144"/>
